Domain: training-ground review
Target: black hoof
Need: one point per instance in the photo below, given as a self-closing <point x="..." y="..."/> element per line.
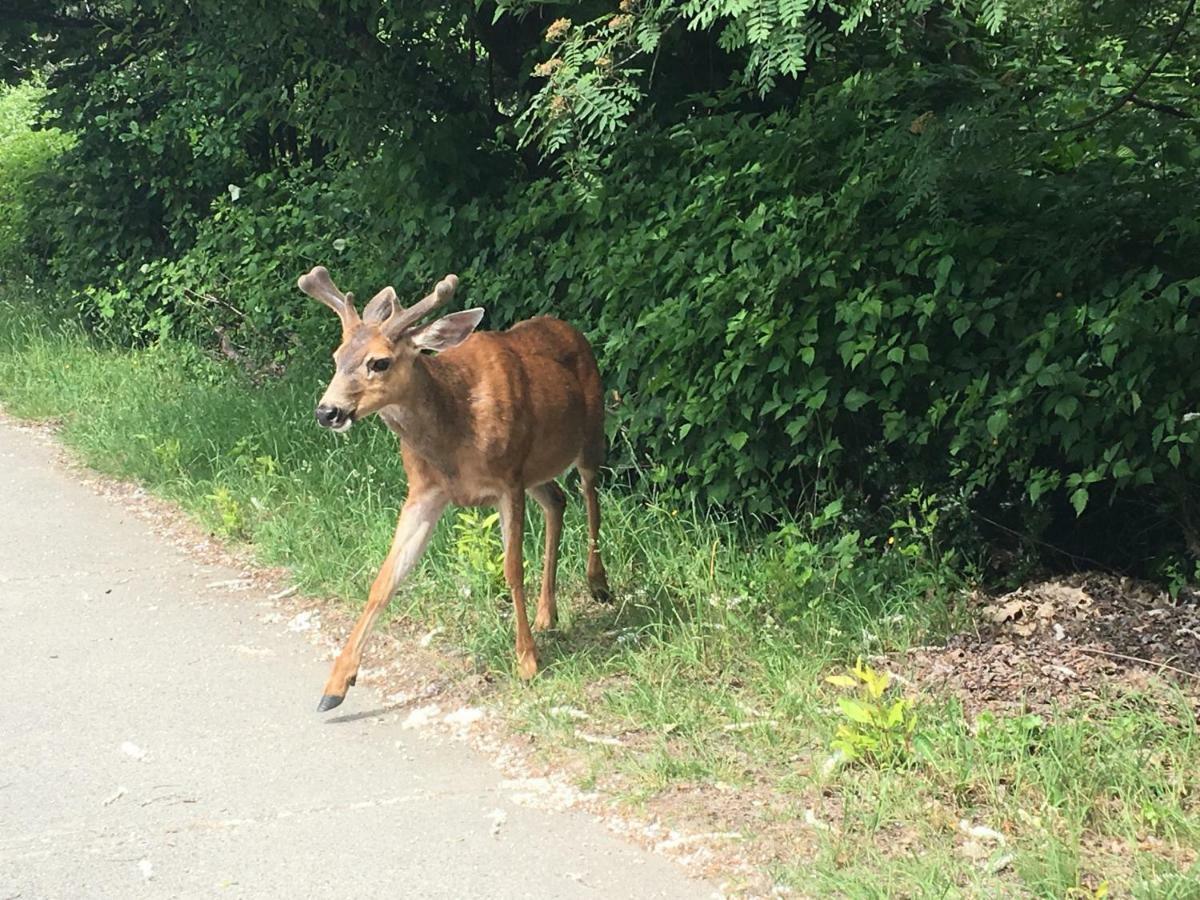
<point x="353" y="679"/>
<point x="328" y="702"/>
<point x="602" y="594"/>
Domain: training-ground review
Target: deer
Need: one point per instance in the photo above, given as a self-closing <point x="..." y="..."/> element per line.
<point x="483" y="418"/>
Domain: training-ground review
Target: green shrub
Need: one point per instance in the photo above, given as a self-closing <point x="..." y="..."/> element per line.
<point x="25" y="155"/>
<point x="898" y="279"/>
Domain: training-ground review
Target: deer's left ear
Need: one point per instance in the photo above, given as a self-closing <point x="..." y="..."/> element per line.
<point x="381" y="307"/>
<point x="446" y="332"/>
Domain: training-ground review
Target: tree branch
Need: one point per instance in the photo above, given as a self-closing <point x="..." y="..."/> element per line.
<point x="1166" y="108"/>
<point x="1129" y="95"/>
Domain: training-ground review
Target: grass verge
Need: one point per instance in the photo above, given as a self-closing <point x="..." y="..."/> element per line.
<point x="706" y="679"/>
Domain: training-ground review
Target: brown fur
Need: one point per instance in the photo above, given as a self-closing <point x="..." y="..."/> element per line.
<point x="493" y="415"/>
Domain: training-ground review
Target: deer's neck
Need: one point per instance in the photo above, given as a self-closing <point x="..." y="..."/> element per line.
<point x="432" y="411"/>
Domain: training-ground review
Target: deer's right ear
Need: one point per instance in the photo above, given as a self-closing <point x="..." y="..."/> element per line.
<point x="381" y="307"/>
<point x="446" y="332"/>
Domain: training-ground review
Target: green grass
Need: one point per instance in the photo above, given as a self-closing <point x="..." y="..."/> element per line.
<point x="709" y="669"/>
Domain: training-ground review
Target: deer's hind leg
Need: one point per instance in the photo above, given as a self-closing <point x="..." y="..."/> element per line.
<point x="413" y="531"/>
<point x="596" y="576"/>
<point x="553" y="501"/>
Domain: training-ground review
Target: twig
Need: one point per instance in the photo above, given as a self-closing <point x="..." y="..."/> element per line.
<point x="1074" y="557"/>
<point x="1128" y="96"/>
<point x="1138" y="659"/>
<point x="1166" y="108"/>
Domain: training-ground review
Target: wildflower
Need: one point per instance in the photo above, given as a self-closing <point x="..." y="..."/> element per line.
<point x="618" y="22"/>
<point x="547" y="68"/>
<point x="603" y="62"/>
<point x="626" y="6"/>
<point x="558" y="30"/>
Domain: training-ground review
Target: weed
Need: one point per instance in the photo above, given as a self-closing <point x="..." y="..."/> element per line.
<point x="877" y="731"/>
<point x="231" y="520"/>
<point x="478" y="550"/>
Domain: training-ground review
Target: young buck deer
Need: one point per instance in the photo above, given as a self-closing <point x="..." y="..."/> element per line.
<point x="490" y="416"/>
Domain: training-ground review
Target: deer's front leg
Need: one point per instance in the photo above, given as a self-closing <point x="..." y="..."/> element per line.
<point x="413" y="531"/>
<point x="512" y="525"/>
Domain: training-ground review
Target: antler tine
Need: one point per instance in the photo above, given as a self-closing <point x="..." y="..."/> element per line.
<point x="441" y="295"/>
<point x="318" y="285"/>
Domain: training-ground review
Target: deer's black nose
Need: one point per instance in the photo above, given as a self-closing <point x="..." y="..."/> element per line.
<point x="330" y="416"/>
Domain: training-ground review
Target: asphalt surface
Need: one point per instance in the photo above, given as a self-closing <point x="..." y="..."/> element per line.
<point x="158" y="739"/>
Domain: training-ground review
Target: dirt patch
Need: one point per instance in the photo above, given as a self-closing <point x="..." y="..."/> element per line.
<point x="1065" y="641"/>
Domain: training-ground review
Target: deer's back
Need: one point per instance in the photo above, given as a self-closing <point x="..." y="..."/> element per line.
<point x="535" y="406"/>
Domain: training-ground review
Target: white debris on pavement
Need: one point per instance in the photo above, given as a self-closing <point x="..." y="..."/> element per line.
<point x="464" y="717"/>
<point x="302" y="621"/>
<point x="421" y="716"/>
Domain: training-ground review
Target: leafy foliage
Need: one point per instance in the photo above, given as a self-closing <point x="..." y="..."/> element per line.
<point x="479" y="551"/>
<point x="858" y="250"/>
<point x="25" y="155"/>
<point x="876" y="731"/>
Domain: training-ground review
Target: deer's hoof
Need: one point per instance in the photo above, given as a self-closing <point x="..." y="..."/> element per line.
<point x="544" y="623"/>
<point x="329" y="701"/>
<point x="600" y="591"/>
<point x="527" y="666"/>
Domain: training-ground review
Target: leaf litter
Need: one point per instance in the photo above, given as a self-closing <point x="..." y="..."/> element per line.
<point x="1055" y="643"/>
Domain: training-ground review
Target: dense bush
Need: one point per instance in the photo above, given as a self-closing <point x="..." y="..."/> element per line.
<point x="25" y="155"/>
<point x="903" y="276"/>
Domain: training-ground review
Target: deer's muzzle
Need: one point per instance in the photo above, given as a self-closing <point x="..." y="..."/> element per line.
<point x="334" y="417"/>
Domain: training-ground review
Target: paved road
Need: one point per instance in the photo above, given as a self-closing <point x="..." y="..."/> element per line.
<point x="159" y="741"/>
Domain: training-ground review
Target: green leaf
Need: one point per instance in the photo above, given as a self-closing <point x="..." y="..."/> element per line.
<point x="1079" y="500"/>
<point x="1066" y="407"/>
<point x="997" y="422"/>
<point x="842" y="681"/>
<point x="945" y="264"/>
<point x="738" y="439"/>
<point x="876" y="683"/>
<point x="856" y="400"/>
<point x="855" y="711"/>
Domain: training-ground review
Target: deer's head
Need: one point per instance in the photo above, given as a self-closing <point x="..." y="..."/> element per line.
<point x="375" y="361"/>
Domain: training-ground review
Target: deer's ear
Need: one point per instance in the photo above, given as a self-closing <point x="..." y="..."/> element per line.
<point x="381" y="307"/>
<point x="446" y="332"/>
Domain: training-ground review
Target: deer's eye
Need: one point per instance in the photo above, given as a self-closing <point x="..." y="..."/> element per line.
<point x="379" y="364"/>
